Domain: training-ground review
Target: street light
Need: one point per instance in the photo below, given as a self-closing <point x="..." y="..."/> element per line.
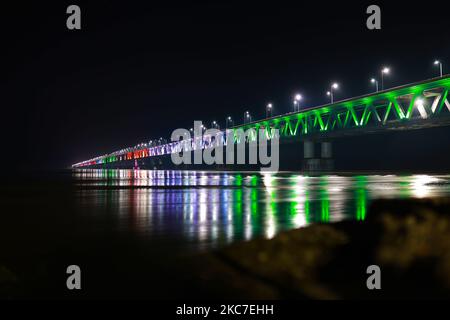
<point x="247" y="116"/>
<point x="384" y="71"/>
<point x="269" y="110"/>
<point x="297" y="99"/>
<point x="373" y="80"/>
<point x="330" y="93"/>
<point x="226" y="122"/>
<point x="437" y="62"/>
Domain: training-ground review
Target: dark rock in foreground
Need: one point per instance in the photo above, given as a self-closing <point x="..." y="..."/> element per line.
<point x="408" y="239"/>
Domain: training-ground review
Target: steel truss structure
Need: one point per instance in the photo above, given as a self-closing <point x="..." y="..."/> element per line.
<point x="417" y="104"/>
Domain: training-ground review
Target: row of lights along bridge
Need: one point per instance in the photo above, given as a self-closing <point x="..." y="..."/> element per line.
<point x="296" y="103"/>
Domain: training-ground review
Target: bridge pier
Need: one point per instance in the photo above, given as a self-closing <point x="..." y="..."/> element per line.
<point x="311" y="163"/>
<point x="308" y="149"/>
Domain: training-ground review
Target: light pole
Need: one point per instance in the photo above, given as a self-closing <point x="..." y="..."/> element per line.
<point x="226" y="122"/>
<point x="373" y="80"/>
<point x="437" y="62"/>
<point x="247" y="117"/>
<point x="268" y="110"/>
<point x="297" y="99"/>
<point x="384" y="71"/>
<point x="330" y="93"/>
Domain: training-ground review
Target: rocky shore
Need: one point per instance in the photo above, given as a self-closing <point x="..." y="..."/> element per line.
<point x="408" y="239"/>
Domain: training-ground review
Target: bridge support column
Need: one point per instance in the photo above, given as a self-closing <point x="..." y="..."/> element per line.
<point x="326" y="150"/>
<point x="311" y="163"/>
<point x="327" y="162"/>
<point x="308" y="150"/>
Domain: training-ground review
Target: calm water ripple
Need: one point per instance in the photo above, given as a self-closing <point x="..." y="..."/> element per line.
<point x="210" y="209"/>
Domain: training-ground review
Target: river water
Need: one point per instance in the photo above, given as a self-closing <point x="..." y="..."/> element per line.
<point x="207" y="210"/>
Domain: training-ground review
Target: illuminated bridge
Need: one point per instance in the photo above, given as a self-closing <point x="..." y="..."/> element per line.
<point x="418" y="105"/>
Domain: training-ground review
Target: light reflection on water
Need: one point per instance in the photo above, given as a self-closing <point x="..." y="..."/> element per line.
<point x="210" y="209"/>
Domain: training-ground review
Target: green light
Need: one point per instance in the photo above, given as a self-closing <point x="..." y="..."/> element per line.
<point x="442" y="102"/>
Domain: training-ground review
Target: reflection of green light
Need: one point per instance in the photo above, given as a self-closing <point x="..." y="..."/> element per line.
<point x="254" y="180"/>
<point x="361" y="197"/>
<point x="238" y="202"/>
<point x="405" y="191"/>
<point x="293" y="208"/>
<point x="254" y="199"/>
<point x="273" y="203"/>
<point x="295" y="195"/>
<point x="238" y="180"/>
<point x="325" y="214"/>
<point x="307" y="207"/>
<point x="324" y="200"/>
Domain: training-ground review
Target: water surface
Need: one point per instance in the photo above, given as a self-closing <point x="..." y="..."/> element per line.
<point x="204" y="210"/>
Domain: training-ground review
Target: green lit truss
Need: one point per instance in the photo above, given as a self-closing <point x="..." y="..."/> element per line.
<point x="420" y="104"/>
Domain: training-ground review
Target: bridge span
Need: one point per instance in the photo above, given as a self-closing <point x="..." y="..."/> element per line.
<point x="419" y="105"/>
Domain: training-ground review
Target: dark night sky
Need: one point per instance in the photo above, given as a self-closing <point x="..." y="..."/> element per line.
<point x="137" y="71"/>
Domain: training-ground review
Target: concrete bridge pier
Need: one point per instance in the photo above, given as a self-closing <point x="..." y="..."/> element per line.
<point x="323" y="162"/>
